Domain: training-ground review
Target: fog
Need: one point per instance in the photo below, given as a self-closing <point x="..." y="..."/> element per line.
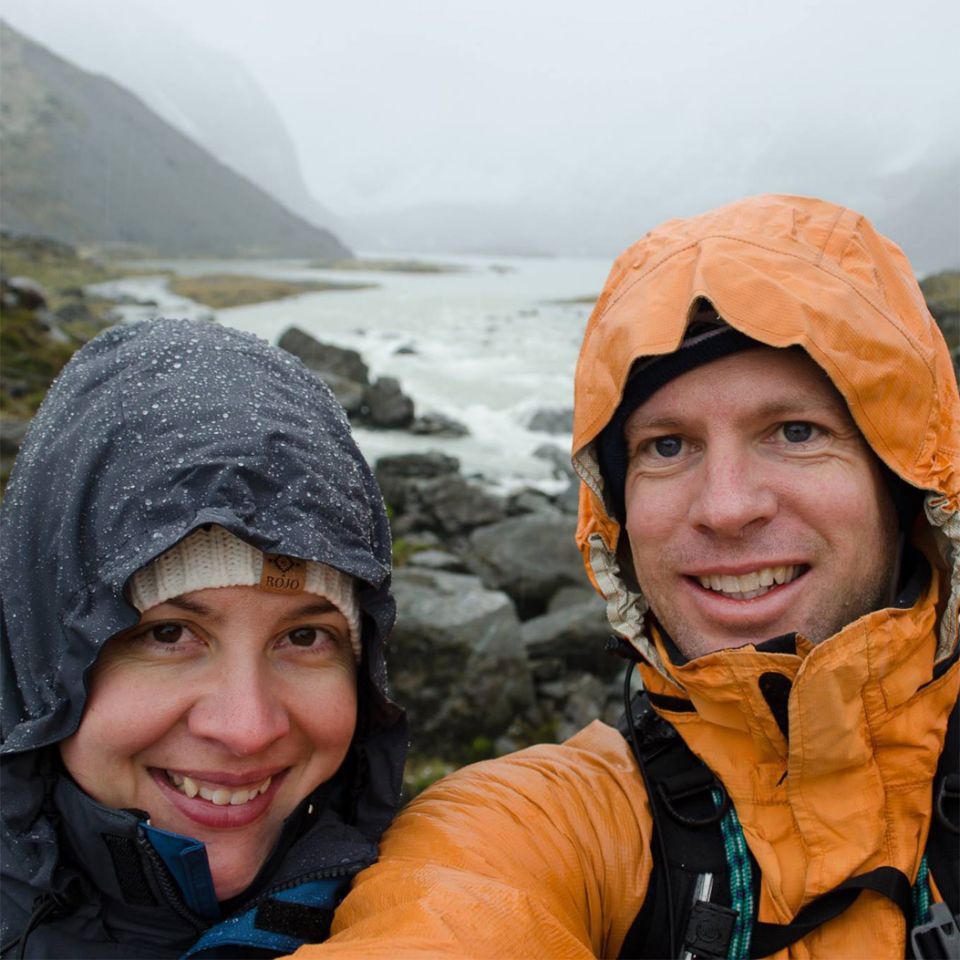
<point x="563" y="127"/>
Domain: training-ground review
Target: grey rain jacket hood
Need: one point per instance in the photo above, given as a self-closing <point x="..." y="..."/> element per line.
<point x="151" y="431"/>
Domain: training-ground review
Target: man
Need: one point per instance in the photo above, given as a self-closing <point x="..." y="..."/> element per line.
<point x="766" y="426"/>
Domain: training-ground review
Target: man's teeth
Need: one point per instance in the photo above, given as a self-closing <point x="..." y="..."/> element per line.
<point x="746" y="586"/>
<point x="221" y="796"/>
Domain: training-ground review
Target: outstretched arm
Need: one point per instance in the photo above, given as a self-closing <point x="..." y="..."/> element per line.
<point x="544" y="853"/>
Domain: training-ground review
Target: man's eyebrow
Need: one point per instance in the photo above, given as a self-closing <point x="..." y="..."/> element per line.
<point x="795" y="405"/>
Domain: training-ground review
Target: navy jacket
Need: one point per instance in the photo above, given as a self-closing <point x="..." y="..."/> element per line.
<point x="152" y="430"/>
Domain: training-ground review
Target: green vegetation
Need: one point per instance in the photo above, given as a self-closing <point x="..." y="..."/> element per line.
<point x="386" y="266"/>
<point x="221" y="290"/>
<point x="59" y="269"/>
<point x="420" y="772"/>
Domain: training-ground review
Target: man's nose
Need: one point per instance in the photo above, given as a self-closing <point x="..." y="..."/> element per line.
<point x="242" y="709"/>
<point x="734" y="494"/>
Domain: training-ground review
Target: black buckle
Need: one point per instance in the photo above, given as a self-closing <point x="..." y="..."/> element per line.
<point x="949" y="792"/>
<point x="939" y="938"/>
<point x="709" y="931"/>
<point x="686" y="787"/>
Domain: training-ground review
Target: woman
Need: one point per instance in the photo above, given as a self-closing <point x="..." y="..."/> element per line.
<point x="198" y="749"/>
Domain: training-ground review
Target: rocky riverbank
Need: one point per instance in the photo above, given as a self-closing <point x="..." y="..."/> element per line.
<point x="500" y="640"/>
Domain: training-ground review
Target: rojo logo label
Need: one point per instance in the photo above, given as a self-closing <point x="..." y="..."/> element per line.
<point x="282" y="574"/>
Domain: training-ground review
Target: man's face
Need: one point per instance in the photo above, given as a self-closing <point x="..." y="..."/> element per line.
<point x="754" y="506"/>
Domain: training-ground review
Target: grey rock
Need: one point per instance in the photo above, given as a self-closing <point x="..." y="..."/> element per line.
<point x="531" y="557"/>
<point x="586" y="699"/>
<point x="325" y="357"/>
<point x="558" y="456"/>
<point x="574" y="596"/>
<point x="27" y="291"/>
<point x="437" y="560"/>
<point x="552" y="420"/>
<point x="529" y="500"/>
<point x="349" y="393"/>
<point x="578" y="635"/>
<point x="438" y="424"/>
<point x="12" y="432"/>
<point x="397" y="474"/>
<point x="75" y="311"/>
<point x="569" y="501"/>
<point x="458" y="664"/>
<point x="451" y="504"/>
<point x="386" y="405"/>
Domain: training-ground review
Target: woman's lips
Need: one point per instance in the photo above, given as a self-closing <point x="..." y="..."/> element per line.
<point x="216" y="804"/>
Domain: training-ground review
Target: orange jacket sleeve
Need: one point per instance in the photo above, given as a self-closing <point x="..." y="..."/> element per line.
<point x="544" y="853"/>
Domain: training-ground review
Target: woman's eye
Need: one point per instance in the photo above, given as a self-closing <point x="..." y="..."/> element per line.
<point x="668" y="446"/>
<point x="799" y="432"/>
<point x="165" y="632"/>
<point x="303" y="636"/>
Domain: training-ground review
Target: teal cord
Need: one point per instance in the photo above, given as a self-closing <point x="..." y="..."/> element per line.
<point x="741" y="883"/>
<point x="921" y="894"/>
<point x="741" y="879"/>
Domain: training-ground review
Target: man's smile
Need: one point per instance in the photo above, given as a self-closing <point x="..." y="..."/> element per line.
<point x="756" y="583"/>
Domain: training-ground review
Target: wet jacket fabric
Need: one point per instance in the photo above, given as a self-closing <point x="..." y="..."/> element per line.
<point x="152" y="431"/>
<point x="547" y="852"/>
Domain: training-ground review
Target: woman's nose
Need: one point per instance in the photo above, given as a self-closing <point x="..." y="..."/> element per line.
<point x="241" y="709"/>
<point x="734" y="495"/>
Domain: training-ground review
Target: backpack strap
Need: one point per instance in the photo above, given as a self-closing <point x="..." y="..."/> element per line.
<point x="687" y="908"/>
<point x="689" y="847"/>
<point x="943" y="842"/>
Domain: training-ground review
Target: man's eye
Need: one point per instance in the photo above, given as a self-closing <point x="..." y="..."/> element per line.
<point x="668" y="446"/>
<point x="799" y="432"/>
<point x="166" y="632"/>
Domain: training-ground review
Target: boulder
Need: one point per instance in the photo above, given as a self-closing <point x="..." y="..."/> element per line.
<point x="437" y="560"/>
<point x="551" y="420"/>
<point x="531" y="557"/>
<point x="529" y="500"/>
<point x="578" y="635"/>
<point x="452" y="505"/>
<point x="386" y="405"/>
<point x="558" y="456"/>
<point x="398" y="473"/>
<point x="349" y="393"/>
<point x="26" y="292"/>
<point x="325" y="357"/>
<point x="457" y="660"/>
<point x="574" y="596"/>
<point x="438" y="425"/>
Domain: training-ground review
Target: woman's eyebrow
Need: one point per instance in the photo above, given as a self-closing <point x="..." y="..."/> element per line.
<point x="311" y="609"/>
<point x="191" y="606"/>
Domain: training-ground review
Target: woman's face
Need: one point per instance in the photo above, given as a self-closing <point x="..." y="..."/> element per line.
<point x="218" y="713"/>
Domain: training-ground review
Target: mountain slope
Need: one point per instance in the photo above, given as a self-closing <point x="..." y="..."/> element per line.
<point x="207" y="93"/>
<point x="86" y="161"/>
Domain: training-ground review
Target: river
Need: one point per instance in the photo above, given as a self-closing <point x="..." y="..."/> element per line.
<point x="487" y="345"/>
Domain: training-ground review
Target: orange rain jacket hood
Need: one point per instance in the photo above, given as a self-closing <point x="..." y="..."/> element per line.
<point x="547" y="852"/>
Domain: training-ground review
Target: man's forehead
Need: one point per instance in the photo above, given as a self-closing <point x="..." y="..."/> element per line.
<point x="762" y="381"/>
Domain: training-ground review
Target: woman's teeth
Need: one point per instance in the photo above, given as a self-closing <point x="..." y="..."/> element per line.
<point x="221" y="796"/>
<point x="746" y="586"/>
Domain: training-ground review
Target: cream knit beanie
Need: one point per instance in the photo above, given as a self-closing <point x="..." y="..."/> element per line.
<point x="213" y="557"/>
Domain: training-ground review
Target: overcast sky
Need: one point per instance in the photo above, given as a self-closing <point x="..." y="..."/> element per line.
<point x="572" y="104"/>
